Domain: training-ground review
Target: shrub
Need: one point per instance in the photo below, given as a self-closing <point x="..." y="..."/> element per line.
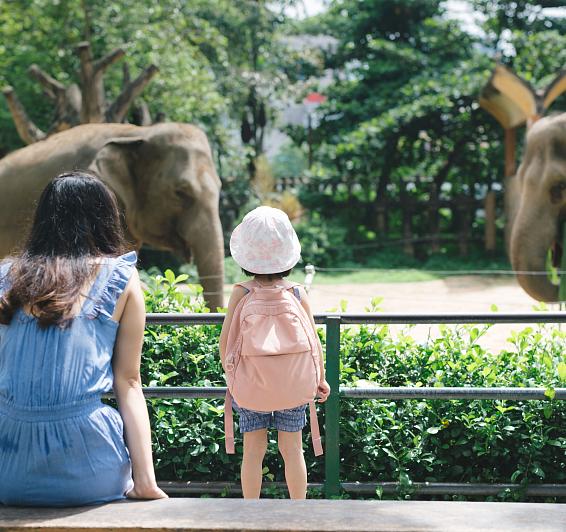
<point x="322" y="242"/>
<point x="413" y="440"/>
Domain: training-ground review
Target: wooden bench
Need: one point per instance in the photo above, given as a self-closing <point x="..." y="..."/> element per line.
<point x="285" y="515"/>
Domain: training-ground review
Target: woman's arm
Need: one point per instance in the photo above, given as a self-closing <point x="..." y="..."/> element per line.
<point x="237" y="293"/>
<point x="130" y="312"/>
<point x="323" y="387"/>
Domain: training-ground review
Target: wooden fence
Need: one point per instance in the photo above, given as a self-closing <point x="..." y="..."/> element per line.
<point x="420" y="219"/>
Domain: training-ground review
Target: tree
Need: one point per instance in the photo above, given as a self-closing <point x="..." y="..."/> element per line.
<point x="169" y="34"/>
<point x="409" y="123"/>
<point x="74" y="105"/>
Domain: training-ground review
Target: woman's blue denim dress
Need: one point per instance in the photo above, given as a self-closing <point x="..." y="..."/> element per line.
<point x="59" y="444"/>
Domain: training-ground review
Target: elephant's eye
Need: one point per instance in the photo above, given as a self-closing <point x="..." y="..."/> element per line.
<point x="556" y="192"/>
<point x="183" y="195"/>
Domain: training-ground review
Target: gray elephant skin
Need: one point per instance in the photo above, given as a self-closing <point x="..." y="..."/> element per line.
<point x="541" y="214"/>
<point x="164" y="178"/>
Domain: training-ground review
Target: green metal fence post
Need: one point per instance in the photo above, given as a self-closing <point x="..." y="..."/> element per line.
<point x="332" y="421"/>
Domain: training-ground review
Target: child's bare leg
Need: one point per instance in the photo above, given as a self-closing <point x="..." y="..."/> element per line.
<point x="291" y="448"/>
<point x="255" y="445"/>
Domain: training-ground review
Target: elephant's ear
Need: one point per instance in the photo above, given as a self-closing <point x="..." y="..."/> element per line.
<point x="114" y="163"/>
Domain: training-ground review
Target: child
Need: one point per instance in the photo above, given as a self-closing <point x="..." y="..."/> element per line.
<point x="266" y="247"/>
<point x="72" y="318"/>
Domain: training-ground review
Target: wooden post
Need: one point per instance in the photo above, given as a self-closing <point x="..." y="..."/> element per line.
<point x="405" y="204"/>
<point x="510" y="151"/>
<point x="408" y="244"/>
<point x="511" y="192"/>
<point x="381" y="215"/>
<point x="462" y="207"/>
<point x="490" y="234"/>
<point x="434" y="219"/>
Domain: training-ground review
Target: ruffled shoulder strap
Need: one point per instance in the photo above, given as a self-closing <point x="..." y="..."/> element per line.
<point x="4" y="281"/>
<point x="111" y="281"/>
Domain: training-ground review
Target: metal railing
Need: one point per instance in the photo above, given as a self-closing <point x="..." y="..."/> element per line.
<point x="332" y="485"/>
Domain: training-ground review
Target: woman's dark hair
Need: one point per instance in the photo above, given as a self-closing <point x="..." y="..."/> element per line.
<point x="268" y="276"/>
<point x="76" y="220"/>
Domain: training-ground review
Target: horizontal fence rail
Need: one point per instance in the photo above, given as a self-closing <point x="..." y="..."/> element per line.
<point x="371" y="488"/>
<point x="393" y="393"/>
<point x="215" y="318"/>
<point x="333" y="485"/>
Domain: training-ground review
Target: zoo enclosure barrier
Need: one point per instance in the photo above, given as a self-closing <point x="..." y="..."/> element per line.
<point x="463" y="207"/>
<point x="420" y="219"/>
<point x="332" y="484"/>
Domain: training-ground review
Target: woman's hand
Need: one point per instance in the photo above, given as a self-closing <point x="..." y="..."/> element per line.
<point x="151" y="491"/>
<point x="129" y="393"/>
<point x="323" y="391"/>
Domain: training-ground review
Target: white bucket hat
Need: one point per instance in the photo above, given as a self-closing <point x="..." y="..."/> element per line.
<point x="265" y="242"/>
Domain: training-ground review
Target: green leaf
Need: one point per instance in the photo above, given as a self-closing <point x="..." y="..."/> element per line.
<point x="181" y="278"/>
<point x="561" y="368"/>
<point x="213" y="447"/>
<point x="550" y="392"/>
<point x="170" y="276"/>
<point x="164" y="378"/>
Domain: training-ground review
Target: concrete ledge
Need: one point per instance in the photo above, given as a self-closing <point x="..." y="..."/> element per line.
<point x="286" y="516"/>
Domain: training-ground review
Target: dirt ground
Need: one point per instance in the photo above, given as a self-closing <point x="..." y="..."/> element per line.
<point x="453" y="294"/>
<point x="462" y="293"/>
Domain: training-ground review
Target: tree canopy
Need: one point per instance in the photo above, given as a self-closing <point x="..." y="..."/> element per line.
<point x="401" y="119"/>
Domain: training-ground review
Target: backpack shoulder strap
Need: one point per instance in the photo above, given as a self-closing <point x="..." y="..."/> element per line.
<point x="292" y="285"/>
<point x="315" y="430"/>
<point x="228" y="424"/>
<point x="247" y="285"/>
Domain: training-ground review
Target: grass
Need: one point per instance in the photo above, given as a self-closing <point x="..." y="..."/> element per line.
<point x="369" y="276"/>
<point x="394" y="269"/>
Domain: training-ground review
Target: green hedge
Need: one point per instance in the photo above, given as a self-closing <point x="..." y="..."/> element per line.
<point x="412" y="440"/>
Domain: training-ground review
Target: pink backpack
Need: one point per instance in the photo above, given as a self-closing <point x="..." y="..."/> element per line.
<point x="272" y="356"/>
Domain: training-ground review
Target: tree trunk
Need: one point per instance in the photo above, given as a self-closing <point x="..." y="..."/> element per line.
<point x="379" y="206"/>
<point x="463" y="208"/>
<point x="119" y="109"/>
<point x="434" y="219"/>
<point x="26" y="129"/>
<point x="407" y="214"/>
<point x="75" y="106"/>
<point x="490" y="233"/>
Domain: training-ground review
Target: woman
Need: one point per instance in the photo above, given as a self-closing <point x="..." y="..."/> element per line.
<point x="71" y="328"/>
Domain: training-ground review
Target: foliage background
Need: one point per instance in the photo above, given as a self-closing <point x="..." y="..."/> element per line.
<point x="401" y="113"/>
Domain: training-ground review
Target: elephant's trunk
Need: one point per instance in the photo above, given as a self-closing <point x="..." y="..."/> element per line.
<point x="206" y="243"/>
<point x="532" y="236"/>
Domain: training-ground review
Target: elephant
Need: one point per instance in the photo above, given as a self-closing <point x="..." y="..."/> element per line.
<point x="538" y="224"/>
<point x="163" y="176"/>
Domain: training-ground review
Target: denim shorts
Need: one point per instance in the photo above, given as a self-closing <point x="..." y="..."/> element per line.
<point x="290" y="420"/>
